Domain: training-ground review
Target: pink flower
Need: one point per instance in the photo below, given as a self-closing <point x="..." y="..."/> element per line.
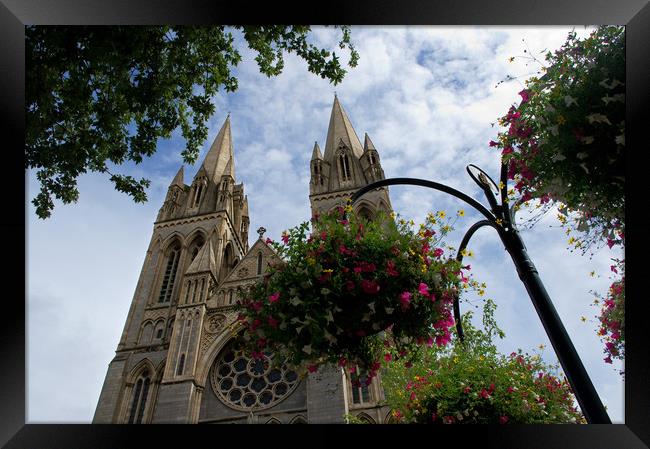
<point x="467" y="389"/>
<point x="390" y="268"/>
<point x="273" y="322"/>
<point x="493" y="143"/>
<point x="412" y="397"/>
<point x="369" y="287"/>
<point x="507" y="150"/>
<point x="433" y="297"/>
<point x="484" y="393"/>
<point x="349" y="285"/>
<point x="610" y="243"/>
<point x="353" y="369"/>
<point x="274" y="297"/>
<point x="268" y="241"/>
<point x="312" y="368"/>
<point x="448" y="420"/>
<point x="423" y="289"/>
<point x="405" y="299"/>
<point x="256" y="306"/>
<point x="510" y="389"/>
<point x="342" y="362"/>
<point x="388" y="357"/>
<point x="613" y="268"/>
<point x="525" y="96"/>
<point x="503" y="419"/>
<point x="608" y="359"/>
<point x="438" y="252"/>
<point x="285" y="238"/>
<point x="323" y="235"/>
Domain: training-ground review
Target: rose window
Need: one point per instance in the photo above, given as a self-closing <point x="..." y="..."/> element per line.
<point x="246" y="383"/>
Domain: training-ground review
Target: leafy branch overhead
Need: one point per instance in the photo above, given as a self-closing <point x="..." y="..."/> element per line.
<point x="104" y="95"/>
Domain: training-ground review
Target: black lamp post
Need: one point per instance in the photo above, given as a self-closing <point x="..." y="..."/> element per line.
<point x="501" y="218"/>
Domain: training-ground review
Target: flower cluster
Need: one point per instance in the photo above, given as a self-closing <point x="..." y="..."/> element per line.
<point x="474" y="384"/>
<point x="343" y="287"/>
<point x="565" y="141"/>
<point x="612" y="318"/>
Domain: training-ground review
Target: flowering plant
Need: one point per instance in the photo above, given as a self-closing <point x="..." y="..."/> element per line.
<point x="341" y="286"/>
<point x="612" y="317"/>
<point x="472" y="383"/>
<point x="565" y="141"/>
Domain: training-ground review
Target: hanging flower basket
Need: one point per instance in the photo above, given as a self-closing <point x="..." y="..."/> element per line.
<point x="341" y="286"/>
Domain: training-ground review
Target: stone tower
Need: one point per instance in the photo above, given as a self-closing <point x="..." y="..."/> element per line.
<point x="344" y="168"/>
<point x="176" y="361"/>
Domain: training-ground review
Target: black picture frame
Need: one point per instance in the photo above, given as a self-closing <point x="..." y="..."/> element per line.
<point x="15" y="14"/>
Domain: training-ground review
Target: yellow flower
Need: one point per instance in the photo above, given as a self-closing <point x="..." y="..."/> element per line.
<point x="561" y="120"/>
<point x="511" y="58"/>
<point x="470" y="254"/>
<point x="329" y="270"/>
<point x="348" y="208"/>
<point x="542" y="346"/>
<point x="463" y="252"/>
<point x="461" y="213"/>
<point x="592" y="274"/>
<point x="446" y="228"/>
<point x="392" y="215"/>
<point x="500" y="221"/>
<point x="424" y="268"/>
<point x="481" y="292"/>
<point x="501" y="185"/>
<point x="311" y="260"/>
<point x="571" y="241"/>
<point x="583" y="319"/>
<point x="441" y="214"/>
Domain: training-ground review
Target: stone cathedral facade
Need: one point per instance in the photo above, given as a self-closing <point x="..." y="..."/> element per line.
<point x="175" y="362"/>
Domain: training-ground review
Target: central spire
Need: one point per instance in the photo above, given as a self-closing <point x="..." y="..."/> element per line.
<point x="220" y="160"/>
<point x="340" y="129"/>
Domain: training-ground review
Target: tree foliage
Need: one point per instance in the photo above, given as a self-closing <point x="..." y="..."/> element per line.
<point x="99" y="96"/>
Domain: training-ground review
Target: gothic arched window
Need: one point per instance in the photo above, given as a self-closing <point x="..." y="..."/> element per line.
<point x="169" y="275"/>
<point x="181" y="365"/>
<point x="139" y="401"/>
<point x="345" y="170"/>
<point x="259" y="262"/>
<point x="361" y="393"/>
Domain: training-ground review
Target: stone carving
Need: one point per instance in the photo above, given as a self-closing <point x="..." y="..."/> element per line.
<point x="243" y="272"/>
<point x="215" y="323"/>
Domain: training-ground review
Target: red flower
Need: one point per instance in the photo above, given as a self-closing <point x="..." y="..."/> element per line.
<point x="323" y="235"/>
<point x="390" y="268"/>
<point x="388" y="357"/>
<point x="438" y="252"/>
<point x="493" y="143"/>
<point x="467" y="389"/>
<point x="503" y="419"/>
<point x="484" y="393"/>
<point x="285" y="238"/>
<point x="507" y="150"/>
<point x="268" y="241"/>
<point x="312" y="368"/>
<point x="423" y="289"/>
<point x="274" y="297"/>
<point x="525" y="96"/>
<point x="369" y="287"/>
<point x="349" y="285"/>
<point x="342" y="362"/>
<point x="405" y="299"/>
<point x="273" y="322"/>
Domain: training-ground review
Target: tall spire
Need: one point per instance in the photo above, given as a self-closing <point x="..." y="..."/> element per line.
<point x="316" y="153"/>
<point x="339" y="129"/>
<point x="178" y="179"/>
<point x="367" y="144"/>
<point x="218" y="159"/>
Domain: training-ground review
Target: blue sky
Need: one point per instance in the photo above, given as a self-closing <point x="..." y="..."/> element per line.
<point x="425" y="95"/>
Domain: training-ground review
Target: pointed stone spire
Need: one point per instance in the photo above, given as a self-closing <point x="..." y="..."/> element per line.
<point x="230" y="169"/>
<point x="244" y="211"/>
<point x="178" y="179"/>
<point x="218" y="159"/>
<point x="340" y="129"/>
<point x="368" y="145"/>
<point x="204" y="260"/>
<point x="316" y="153"/>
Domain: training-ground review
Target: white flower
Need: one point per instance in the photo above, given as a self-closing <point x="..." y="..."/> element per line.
<point x="620" y="139"/>
<point x="558" y="157"/>
<point x="569" y="100"/>
<point x="295" y="301"/>
<point x="582" y="155"/>
<point x="554" y="130"/>
<point x="371" y="306"/>
<point x="389" y="310"/>
<point x="307" y="349"/>
<point x="611" y="85"/>
<point x="587" y="140"/>
<point x="329" y="337"/>
<point x="598" y="118"/>
<point x="328" y="317"/>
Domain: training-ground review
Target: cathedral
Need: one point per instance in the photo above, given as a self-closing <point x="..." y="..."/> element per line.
<point x="176" y="361"/>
